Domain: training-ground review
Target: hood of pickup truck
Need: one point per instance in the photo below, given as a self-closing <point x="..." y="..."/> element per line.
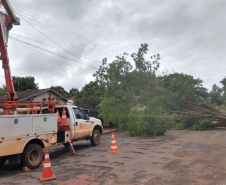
<point x="95" y="119"/>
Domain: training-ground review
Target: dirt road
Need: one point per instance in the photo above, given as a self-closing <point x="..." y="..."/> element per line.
<point x="179" y="157"/>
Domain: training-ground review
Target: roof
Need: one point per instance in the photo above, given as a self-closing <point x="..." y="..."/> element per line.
<point x="71" y="98"/>
<point x="24" y="95"/>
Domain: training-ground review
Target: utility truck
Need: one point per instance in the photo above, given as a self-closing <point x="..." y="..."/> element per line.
<point x="23" y="137"/>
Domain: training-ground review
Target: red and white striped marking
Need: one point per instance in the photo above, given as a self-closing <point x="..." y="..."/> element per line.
<point x="64" y="114"/>
<point x="113" y="144"/>
<point x="47" y="169"/>
<point x="47" y="160"/>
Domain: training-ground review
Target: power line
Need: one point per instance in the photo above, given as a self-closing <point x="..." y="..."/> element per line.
<point x="53" y="40"/>
<point x="50" y="57"/>
<point x="93" y="67"/>
<point x="85" y="39"/>
<point x="34" y="40"/>
<point x="63" y="34"/>
<point x="47" y="45"/>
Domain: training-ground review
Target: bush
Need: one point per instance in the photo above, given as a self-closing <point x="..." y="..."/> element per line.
<point x="135" y="126"/>
<point x="189" y="121"/>
<point x="179" y="126"/>
<point x="149" y="122"/>
<point x="202" y="124"/>
<point x="196" y="123"/>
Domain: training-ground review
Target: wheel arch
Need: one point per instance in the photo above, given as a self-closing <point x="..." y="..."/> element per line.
<point x="35" y="140"/>
<point x="98" y="127"/>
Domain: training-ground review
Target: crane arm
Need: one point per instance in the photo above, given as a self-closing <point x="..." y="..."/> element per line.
<point x="15" y="20"/>
<point x="6" y="23"/>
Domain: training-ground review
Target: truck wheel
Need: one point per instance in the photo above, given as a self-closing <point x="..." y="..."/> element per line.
<point x="2" y="160"/>
<point x="66" y="145"/>
<point x="95" y="139"/>
<point x="32" y="156"/>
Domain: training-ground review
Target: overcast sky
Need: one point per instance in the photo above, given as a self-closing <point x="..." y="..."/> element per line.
<point x="78" y="34"/>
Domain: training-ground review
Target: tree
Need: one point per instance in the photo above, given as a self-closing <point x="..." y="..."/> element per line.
<point x="223" y="82"/>
<point x="60" y="90"/>
<point x="89" y="97"/>
<point x="117" y="98"/>
<point x="137" y="99"/>
<point x="216" y="95"/>
<point x="3" y="90"/>
<point x="72" y="92"/>
<point x="179" y="87"/>
<point x="24" y="83"/>
<point x="129" y="92"/>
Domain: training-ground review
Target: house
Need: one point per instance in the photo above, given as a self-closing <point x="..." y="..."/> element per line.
<point x="37" y="96"/>
<point x="71" y="98"/>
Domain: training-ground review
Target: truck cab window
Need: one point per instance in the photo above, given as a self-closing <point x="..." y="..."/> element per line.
<point x="80" y="114"/>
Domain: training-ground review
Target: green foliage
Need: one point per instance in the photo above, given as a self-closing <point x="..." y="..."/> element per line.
<point x="202" y="124"/>
<point x="151" y="121"/>
<point x="3" y="90"/>
<point x="60" y="90"/>
<point x="24" y="83"/>
<point x="117" y="98"/>
<point x="216" y="95"/>
<point x="189" y="121"/>
<point x="115" y="109"/>
<point x="136" y="99"/>
<point x="141" y="63"/>
<point x="223" y="82"/>
<point x="179" y="126"/>
<point x="135" y="124"/>
<point x="89" y="97"/>
<point x="72" y="92"/>
<point x="196" y="122"/>
<point x="179" y="86"/>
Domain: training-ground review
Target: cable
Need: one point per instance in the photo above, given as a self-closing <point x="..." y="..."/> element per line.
<point x="53" y="41"/>
<point x="93" y="67"/>
<point x="62" y="28"/>
<point x="47" y="44"/>
<point x="46" y="27"/>
<point x="35" y="40"/>
<point x="52" y="57"/>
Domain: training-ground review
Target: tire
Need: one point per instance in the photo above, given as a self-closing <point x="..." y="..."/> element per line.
<point x="2" y="160"/>
<point x="95" y="138"/>
<point x="32" y="156"/>
<point x="66" y="145"/>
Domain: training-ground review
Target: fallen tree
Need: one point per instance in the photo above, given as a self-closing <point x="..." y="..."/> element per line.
<point x="197" y="107"/>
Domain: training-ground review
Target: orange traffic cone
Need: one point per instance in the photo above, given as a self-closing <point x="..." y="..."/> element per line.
<point x="47" y="169"/>
<point x="113" y="144"/>
<point x="64" y="118"/>
<point x="58" y="118"/>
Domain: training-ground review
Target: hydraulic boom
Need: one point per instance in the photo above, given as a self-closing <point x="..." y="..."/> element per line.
<point x="6" y="23"/>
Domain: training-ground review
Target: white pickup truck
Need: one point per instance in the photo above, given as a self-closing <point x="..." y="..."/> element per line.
<point x="23" y="137"/>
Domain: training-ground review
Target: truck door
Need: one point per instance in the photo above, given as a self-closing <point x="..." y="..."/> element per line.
<point x="82" y="123"/>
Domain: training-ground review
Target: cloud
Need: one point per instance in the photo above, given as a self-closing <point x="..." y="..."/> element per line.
<point x="189" y="35"/>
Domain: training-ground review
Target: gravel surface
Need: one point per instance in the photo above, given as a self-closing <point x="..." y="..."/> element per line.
<point x="179" y="157"/>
